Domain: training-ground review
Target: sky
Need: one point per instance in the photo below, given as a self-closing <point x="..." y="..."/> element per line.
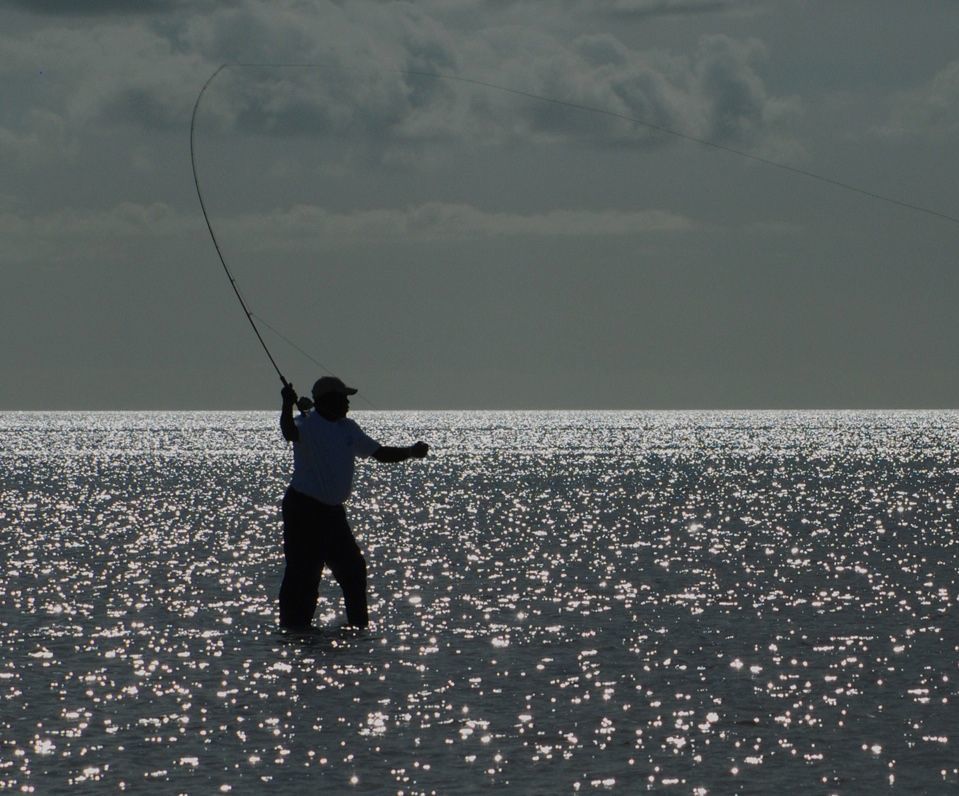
<point x="442" y="243"/>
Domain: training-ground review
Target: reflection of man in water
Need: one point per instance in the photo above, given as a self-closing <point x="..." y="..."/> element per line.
<point x="315" y="530"/>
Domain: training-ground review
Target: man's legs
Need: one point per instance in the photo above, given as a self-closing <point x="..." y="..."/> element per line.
<point x="349" y="568"/>
<point x="304" y="563"/>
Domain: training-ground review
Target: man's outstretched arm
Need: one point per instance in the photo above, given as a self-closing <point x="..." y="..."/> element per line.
<point x="287" y="426"/>
<point x="390" y="455"/>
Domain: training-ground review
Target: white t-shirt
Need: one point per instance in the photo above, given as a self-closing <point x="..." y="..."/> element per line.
<point x="323" y="457"/>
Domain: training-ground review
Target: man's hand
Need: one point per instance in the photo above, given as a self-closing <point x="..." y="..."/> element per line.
<point x="419" y="450"/>
<point x="287" y="425"/>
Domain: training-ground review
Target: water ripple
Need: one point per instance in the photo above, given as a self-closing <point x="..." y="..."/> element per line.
<point x="695" y="602"/>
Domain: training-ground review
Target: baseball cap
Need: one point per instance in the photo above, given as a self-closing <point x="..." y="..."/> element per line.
<point x="328" y="384"/>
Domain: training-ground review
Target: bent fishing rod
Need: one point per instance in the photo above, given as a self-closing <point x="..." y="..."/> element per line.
<point x="209" y="226"/>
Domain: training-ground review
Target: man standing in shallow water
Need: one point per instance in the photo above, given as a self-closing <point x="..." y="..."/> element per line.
<point x="315" y="530"/>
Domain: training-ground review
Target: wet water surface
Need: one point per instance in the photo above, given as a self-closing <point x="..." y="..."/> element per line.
<point x="685" y="602"/>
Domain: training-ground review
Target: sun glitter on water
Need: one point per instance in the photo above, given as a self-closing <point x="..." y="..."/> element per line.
<point x="698" y="602"/>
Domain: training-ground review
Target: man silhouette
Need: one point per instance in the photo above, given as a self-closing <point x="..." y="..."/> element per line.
<point x="315" y="530"/>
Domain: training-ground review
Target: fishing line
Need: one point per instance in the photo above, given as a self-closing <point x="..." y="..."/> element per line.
<point x="288" y="341"/>
<point x="576" y="106"/>
<point x="704" y="142"/>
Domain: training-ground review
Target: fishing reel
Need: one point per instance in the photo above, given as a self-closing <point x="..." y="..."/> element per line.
<point x="304" y="404"/>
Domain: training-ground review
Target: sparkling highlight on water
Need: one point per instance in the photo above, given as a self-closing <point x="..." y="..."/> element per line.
<point x="562" y="602"/>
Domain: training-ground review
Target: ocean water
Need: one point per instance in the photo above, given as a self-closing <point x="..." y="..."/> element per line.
<point x="562" y="602"/>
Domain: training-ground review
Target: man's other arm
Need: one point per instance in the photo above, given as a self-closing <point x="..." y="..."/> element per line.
<point x="391" y="455"/>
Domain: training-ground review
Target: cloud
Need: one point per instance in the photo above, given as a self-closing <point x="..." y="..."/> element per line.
<point x="39" y="136"/>
<point x="89" y="8"/>
<point x="113" y="72"/>
<point x="72" y="235"/>
<point x="120" y="90"/>
<point x="632" y="8"/>
<point x="309" y="224"/>
<point x="519" y="85"/>
<point x="930" y="110"/>
<point x="767" y="228"/>
<point x="650" y="8"/>
<point x="368" y="83"/>
<point x="127" y="219"/>
<point x="715" y="93"/>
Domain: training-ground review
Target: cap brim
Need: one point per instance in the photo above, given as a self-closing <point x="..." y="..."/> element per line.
<point x="345" y="391"/>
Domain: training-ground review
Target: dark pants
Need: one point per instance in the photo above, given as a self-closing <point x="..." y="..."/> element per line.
<point x="315" y="535"/>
